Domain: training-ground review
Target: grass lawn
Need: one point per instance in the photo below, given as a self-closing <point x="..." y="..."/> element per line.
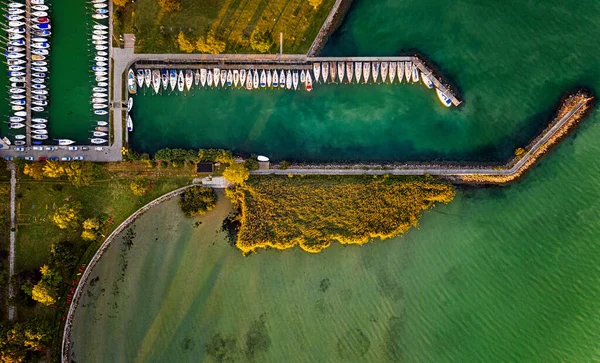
<point x="232" y="21"/>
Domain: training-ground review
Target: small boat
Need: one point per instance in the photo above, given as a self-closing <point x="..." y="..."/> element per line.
<point x="384" y="71"/>
<point x="41" y="45"/>
<point x="40" y="7"/>
<point x="100" y="112"/>
<point x="100" y="27"/>
<point x="102" y="123"/>
<point x="21" y="142"/>
<point x="308" y="82"/>
<point x="40" y="103"/>
<point x="18" y="96"/>
<point x="400" y="71"/>
<point x="99" y="32"/>
<point x="6" y="140"/>
<point x="216" y="74"/>
<point x="39" y="132"/>
<point x="15" y="55"/>
<point x="39" y="137"/>
<point x="282" y="79"/>
<point x="164" y="77"/>
<point x="16" y="119"/>
<point x="427" y="81"/>
<point x="180" y="82"/>
<point x="196" y="78"/>
<point x="249" y="80"/>
<point x="358" y="71"/>
<point x="16" y="68"/>
<point x="39" y="120"/>
<point x="17" y="43"/>
<point x="295" y="79"/>
<point x="40" y="69"/>
<point x="366" y="71"/>
<point x="325" y="71"/>
<point x="64" y="142"/>
<point x="223" y="78"/>
<point x="102" y="54"/>
<point x="15" y="125"/>
<point x="332" y="71"/>
<point x="101" y="74"/>
<point x="38" y="126"/>
<point x="99" y="106"/>
<point x="263" y="79"/>
<point x="172" y="79"/>
<point x="15" y="74"/>
<point x="269" y="78"/>
<point x="349" y="71"/>
<point x="415" y="74"/>
<point x="14" y="17"/>
<point x="39" y="97"/>
<point x="302" y="76"/>
<point x="37" y="109"/>
<point x="39" y="92"/>
<point x="18" y="102"/>
<point x="148" y="77"/>
<point x="288" y="80"/>
<point x="316" y="70"/>
<point x="99" y="37"/>
<point x="443" y="98"/>
<point x="275" y="80"/>
<point x="156" y="80"/>
<point x="100" y="6"/>
<point x="99" y="89"/>
<point x="255" y="82"/>
<point x="101" y="128"/>
<point x="229" y="78"/>
<point x="98" y="141"/>
<point x="209" y="78"/>
<point x="15" y="36"/>
<point x="101" y="11"/>
<point x="202" y="76"/>
<point x="407" y="71"/>
<point x="393" y="67"/>
<point x="41" y="26"/>
<point x="102" y="84"/>
<point x="41" y="20"/>
<point x="20" y="137"/>
<point x="131" y="85"/>
<point x="16" y="5"/>
<point x="100" y="133"/>
<point x="340" y="68"/>
<point x="189" y="79"/>
<point x="129" y="104"/>
<point x="236" y="77"/>
<point x="17" y="108"/>
<point x="129" y="125"/>
<point x="242" y="77"/>
<point x="375" y="71"/>
<point x="41" y="33"/>
<point x="21" y="114"/>
<point x="16" y="90"/>
<point x="40" y="13"/>
<point x="140" y="77"/>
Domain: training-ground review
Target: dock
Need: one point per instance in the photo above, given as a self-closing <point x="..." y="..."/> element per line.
<point x="28" y="74"/>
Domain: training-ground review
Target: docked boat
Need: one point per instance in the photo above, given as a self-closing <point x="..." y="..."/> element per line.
<point x="21" y="114"/>
<point x="196" y="78"/>
<point x="39" y="97"/>
<point x="99" y="106"/>
<point x="40" y="7"/>
<point x="209" y="78"/>
<point x="269" y="78"/>
<point x="20" y="137"/>
<point x="131" y="86"/>
<point x="99" y="89"/>
<point x="236" y="77"/>
<point x="140" y="77"/>
<point x="129" y="104"/>
<point x="407" y="71"/>
<point x="148" y="77"/>
<point x="100" y="27"/>
<point x="164" y="77"/>
<point x="223" y="76"/>
<point x="100" y="112"/>
<point x="18" y="102"/>
<point x="189" y="79"/>
<point x="64" y="142"/>
<point x="384" y="71"/>
<point x="393" y="67"/>
<point x="202" y="76"/>
<point x="366" y="71"/>
<point x="100" y="133"/>
<point x="427" y="81"/>
<point x="98" y="141"/>
<point x="216" y="74"/>
<point x="101" y="128"/>
<point x="255" y="82"/>
<point x="39" y="137"/>
<point x="16" y="119"/>
<point x="242" y="77"/>
<point x="295" y="80"/>
<point x="39" y="120"/>
<point x="16" y="90"/>
<point x="445" y="100"/>
<point x="37" y="109"/>
<point x="415" y="74"/>
<point x="40" y="103"/>
<point x="15" y="125"/>
<point x="129" y="125"/>
<point x="39" y="132"/>
<point x="340" y="68"/>
<point x="43" y="45"/>
<point x="308" y="82"/>
<point x="349" y="71"/>
<point x="263" y="79"/>
<point x="302" y="76"/>
<point x="38" y="126"/>
<point x="316" y="70"/>
<point x="21" y="142"/>
<point x="275" y="80"/>
<point x="332" y="71"/>
<point x="39" y="13"/>
<point x="102" y="123"/>
<point x="172" y="79"/>
<point x="400" y="71"/>
<point x="375" y="71"/>
<point x="358" y="71"/>
<point x="288" y="80"/>
<point x="325" y="71"/>
<point x="249" y="80"/>
<point x="180" y="82"/>
<point x="229" y="78"/>
<point x="282" y="80"/>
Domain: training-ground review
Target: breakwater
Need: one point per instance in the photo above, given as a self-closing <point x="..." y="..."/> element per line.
<point x="331" y="23"/>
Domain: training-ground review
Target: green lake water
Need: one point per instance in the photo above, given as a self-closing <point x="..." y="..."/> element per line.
<point x="499" y="275"/>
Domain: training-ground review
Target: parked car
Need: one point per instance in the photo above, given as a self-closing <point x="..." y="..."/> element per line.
<point x="53" y="158"/>
<point x="85" y="148"/>
<point x="50" y="148"/>
<point x="38" y="148"/>
<point x="29" y="158"/>
<point x="98" y="148"/>
<point x="78" y="158"/>
<point x="8" y="158"/>
<point x="42" y="158"/>
<point x="66" y="158"/>
<point x="19" y="149"/>
<point x="72" y="148"/>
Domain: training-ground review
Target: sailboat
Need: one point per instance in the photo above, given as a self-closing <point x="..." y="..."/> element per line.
<point x="407" y="71"/>
<point x="269" y="78"/>
<point x="140" y="78"/>
<point x="349" y="71"/>
<point x="332" y="71"/>
<point x="275" y="79"/>
<point x="197" y="78"/>
<point x="180" y="81"/>
<point x="129" y="124"/>
<point x="325" y="71"/>
<point x="64" y="142"/>
<point x="282" y="80"/>
<point x="316" y="70"/>
<point x="223" y="78"/>
<point x="415" y="74"/>
<point x="366" y="71"/>
<point x="384" y="71"/>
<point x="288" y="81"/>
<point x="249" y="80"/>
<point x="209" y="78"/>
<point x="341" y="68"/>
<point x="375" y="71"/>
<point x="164" y="75"/>
<point x="216" y="73"/>
<point x="172" y="79"/>
<point x="302" y="76"/>
<point x="263" y="79"/>
<point x="147" y="77"/>
<point x="358" y="71"/>
<point x="400" y="71"/>
<point x="202" y="76"/>
<point x="393" y="67"/>
<point x="98" y="141"/>
<point x="445" y="100"/>
<point x="189" y="79"/>
<point x="308" y="82"/>
<point x="242" y="77"/>
<point x="156" y="80"/>
<point x="255" y="80"/>
<point x="129" y="104"/>
<point x="295" y="80"/>
<point x="427" y="81"/>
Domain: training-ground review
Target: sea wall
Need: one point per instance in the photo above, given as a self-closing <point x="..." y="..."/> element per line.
<point x="332" y="22"/>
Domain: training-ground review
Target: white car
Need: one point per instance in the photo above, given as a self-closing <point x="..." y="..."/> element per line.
<point x="66" y="158"/>
<point x="19" y="149"/>
<point x="78" y="158"/>
<point x="50" y="148"/>
<point x="38" y="148"/>
<point x="99" y="148"/>
<point x="72" y="148"/>
<point x="29" y="158"/>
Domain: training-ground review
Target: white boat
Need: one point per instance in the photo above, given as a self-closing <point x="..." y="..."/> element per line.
<point x="40" y="103"/>
<point x="282" y="80"/>
<point x="16" y="90"/>
<point x="202" y="76"/>
<point x="17" y="119"/>
<point x="140" y="78"/>
<point x="129" y="104"/>
<point x="100" y="26"/>
<point x="37" y="109"/>
<point x="242" y="77"/>
<point x="375" y="71"/>
<point x="400" y="71"/>
<point x="445" y="100"/>
<point x="325" y="71"/>
<point x="65" y="142"/>
<point x="189" y="79"/>
<point x="393" y="67"/>
<point x="99" y="106"/>
<point x="196" y="78"/>
<point x="341" y="67"/>
<point x="316" y="70"/>
<point x="236" y="77"/>
<point x="415" y="74"/>
<point x="332" y="71"/>
<point x="255" y="80"/>
<point x="99" y="37"/>
<point x="100" y="6"/>
<point x="98" y="141"/>
<point x="40" y="13"/>
<point x="288" y="80"/>
<point x="20" y="137"/>
<point x="131" y="85"/>
<point x="6" y="141"/>
<point x="148" y="77"/>
<point x="164" y="78"/>
<point x="102" y="123"/>
<point x="275" y="79"/>
<point x="39" y="120"/>
<point x="407" y="71"/>
<point x="427" y="81"/>
<point x="366" y="71"/>
<point x="349" y="71"/>
<point x="223" y="77"/>
<point x="129" y="124"/>
<point x="39" y="132"/>
<point x="40" y="7"/>
<point x="216" y="74"/>
<point x="21" y="114"/>
<point x="156" y="80"/>
<point x="384" y="71"/>
<point x="100" y="112"/>
<point x="16" y="5"/>
<point x="172" y="79"/>
<point x="99" y="89"/>
<point x="209" y="78"/>
<point x="302" y="76"/>
<point x="295" y="79"/>
<point x="39" y="137"/>
<point x="15" y="125"/>
<point x="229" y="78"/>
<point x="249" y="80"/>
<point x="358" y="71"/>
<point x="180" y="82"/>
<point x="269" y="78"/>
<point x="100" y="133"/>
<point x="99" y="32"/>
<point x="38" y="126"/>
<point x="308" y="82"/>
<point x="263" y="79"/>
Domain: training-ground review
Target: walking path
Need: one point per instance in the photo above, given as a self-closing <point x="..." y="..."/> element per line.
<point x="13" y="237"/>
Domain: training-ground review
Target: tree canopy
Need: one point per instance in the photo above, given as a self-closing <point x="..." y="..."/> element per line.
<point x="210" y="44"/>
<point x="17" y="339"/>
<point x="196" y="201"/>
<point x="139" y="186"/>
<point x="34" y="170"/>
<point x="53" y="169"/>
<point x="236" y="173"/>
<point x="80" y="173"/>
<point x="261" y="41"/>
<point x="67" y="216"/>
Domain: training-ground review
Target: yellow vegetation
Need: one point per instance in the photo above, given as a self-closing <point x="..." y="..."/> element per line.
<point x="311" y="212"/>
<point x="167" y="6"/>
<point x="53" y="169"/>
<point x="236" y="173"/>
<point x="67" y="216"/>
<point x="315" y="3"/>
<point x="184" y="44"/>
<point x="120" y="3"/>
<point x="140" y="185"/>
<point x="42" y="294"/>
<point x="34" y="170"/>
<point x="210" y="44"/>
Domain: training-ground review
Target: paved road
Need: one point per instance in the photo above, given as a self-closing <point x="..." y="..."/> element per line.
<point x="13" y="236"/>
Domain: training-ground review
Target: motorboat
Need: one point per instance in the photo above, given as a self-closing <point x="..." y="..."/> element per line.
<point x="282" y="80"/>
<point x="129" y="125"/>
<point x="242" y="77"/>
<point x="40" y="7"/>
<point x="288" y="80"/>
<point x="102" y="84"/>
<point x="131" y="85"/>
<point x="14" y="17"/>
<point x="366" y="71"/>
<point x="156" y="80"/>
<point x="99" y="69"/>
<point x="102" y="123"/>
<point x="99" y="100"/>
<point x="99" y="32"/>
<point x="18" y="96"/>
<point x="17" y="43"/>
<point x="15" y="23"/>
<point x="375" y="71"/>
<point x="427" y="81"/>
<point x="255" y="77"/>
<point x="39" y="120"/>
<point x="101" y="64"/>
<point x="196" y="78"/>
<point x="38" y="75"/>
<point x="263" y="79"/>
<point x="140" y="77"/>
<point x="407" y="71"/>
<point x="101" y="11"/>
<point x="100" y="42"/>
<point x="17" y="108"/>
<point x="99" y="89"/>
<point x="38" y="126"/>
<point x="445" y="100"/>
<point x="41" y="26"/>
<point x="189" y="79"/>
<point x="295" y="79"/>
<point x="100" y="6"/>
<point x="216" y="73"/>
<point x="15" y="55"/>
<point x="16" y="119"/>
<point x="180" y="82"/>
<point x="100" y="133"/>
<point x="39" y="40"/>
<point x="102" y="53"/>
<point x="39" y="137"/>
<point x="236" y="77"/>
<point x="172" y="79"/>
<point x="41" y="45"/>
<point x="393" y="67"/>
<point x="316" y="70"/>
<point x="40" y="69"/>
<point x="20" y="137"/>
<point x="38" y="58"/>
<point x="308" y="82"/>
<point x="209" y="78"/>
<point x="39" y="132"/>
<point x="147" y="77"/>
<point x="269" y="78"/>
<point x="18" y="102"/>
<point x="20" y="30"/>
<point x="100" y="112"/>
<point x="358" y="71"/>
<point x="16" y="5"/>
<point x="6" y="141"/>
<point x="415" y="74"/>
<point x="275" y="79"/>
<point x="41" y="33"/>
<point x="325" y="71"/>
<point x="202" y="76"/>
<point x="39" y="97"/>
<point x="37" y="109"/>
<point x="21" y="142"/>
<point x="16" y="90"/>
<point x="13" y="49"/>
<point x="40" y="51"/>
<point x="15" y="125"/>
<point x="16" y="68"/>
<point x="341" y="67"/>
<point x="15" y="36"/>
<point x="41" y="20"/>
<point x="39" y="92"/>
<point x="40" y="103"/>
<point x="100" y="27"/>
<point x="64" y="142"/>
<point x="15" y="74"/>
<point x="39" y="13"/>
<point x="98" y="141"/>
<point x="99" y="106"/>
<point x="384" y="71"/>
<point x="21" y="114"/>
<point x="332" y="70"/>
<point x="38" y="86"/>
<point x="223" y="76"/>
<point x="229" y="78"/>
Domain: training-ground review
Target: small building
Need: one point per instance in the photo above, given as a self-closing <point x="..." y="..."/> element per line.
<point x="204" y="168"/>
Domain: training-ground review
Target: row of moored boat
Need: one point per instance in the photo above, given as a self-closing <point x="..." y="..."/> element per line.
<point x="99" y="67"/>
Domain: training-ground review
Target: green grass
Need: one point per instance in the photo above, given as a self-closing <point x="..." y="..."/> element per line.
<point x="232" y="21"/>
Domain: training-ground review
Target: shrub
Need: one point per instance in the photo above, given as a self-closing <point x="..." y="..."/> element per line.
<point x="197" y="201"/>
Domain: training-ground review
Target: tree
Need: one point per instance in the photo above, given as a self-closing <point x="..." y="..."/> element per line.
<point x="120" y="3"/>
<point x="53" y="169"/>
<point x="91" y="223"/>
<point x="67" y="216"/>
<point x="315" y="3"/>
<point x="167" y="6"/>
<point x="236" y="173"/>
<point x="140" y="185"/>
<point x="210" y="44"/>
<point x="184" y="44"/>
<point x="261" y="41"/>
<point x="89" y="235"/>
<point x="43" y="294"/>
<point x="16" y="339"/>
<point x="34" y="170"/>
<point x="79" y="173"/>
<point x="224" y="156"/>
<point x="196" y="201"/>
